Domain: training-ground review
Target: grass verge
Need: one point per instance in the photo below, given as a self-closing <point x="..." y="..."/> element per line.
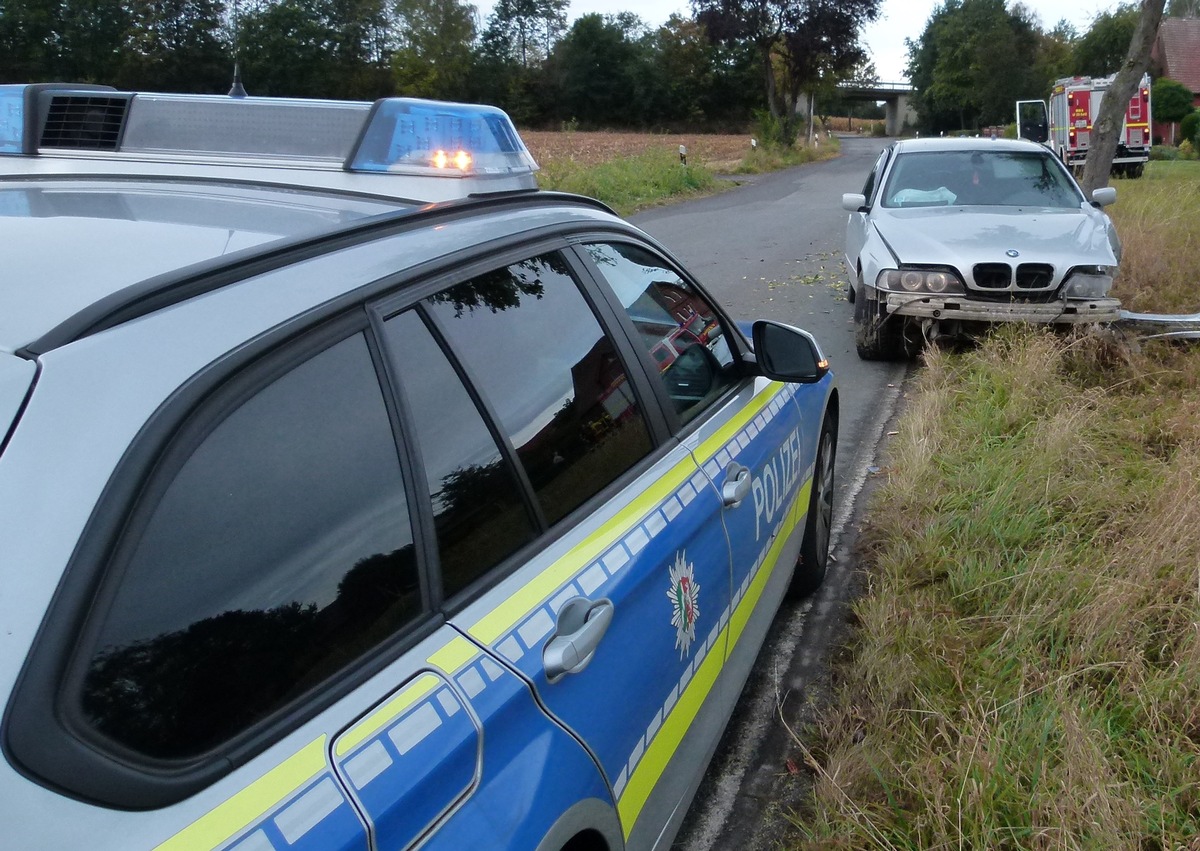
<point x="766" y="158"/>
<point x="629" y="183"/>
<point x="1158" y="218"/>
<point x="1026" y="668"/>
<point x="1026" y="673"/>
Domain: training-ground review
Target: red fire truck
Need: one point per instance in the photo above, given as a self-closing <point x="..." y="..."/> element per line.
<point x="1074" y="106"/>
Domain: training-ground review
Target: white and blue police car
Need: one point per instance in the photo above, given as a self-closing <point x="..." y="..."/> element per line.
<point x="354" y="494"/>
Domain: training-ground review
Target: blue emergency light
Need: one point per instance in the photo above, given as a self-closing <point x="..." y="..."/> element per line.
<point x="405" y="134"/>
<point x="12" y="119"/>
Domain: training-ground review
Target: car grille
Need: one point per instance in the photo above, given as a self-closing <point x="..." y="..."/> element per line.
<point x="998" y="277"/>
<point x="1034" y="276"/>
<point x="993" y="276"/>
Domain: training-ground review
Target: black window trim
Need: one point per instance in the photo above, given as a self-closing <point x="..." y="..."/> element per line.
<point x="490" y="421"/>
<point x="596" y="293"/>
<point x="662" y="442"/>
<point x="738" y="345"/>
<point x="875" y="177"/>
<point x="45" y="736"/>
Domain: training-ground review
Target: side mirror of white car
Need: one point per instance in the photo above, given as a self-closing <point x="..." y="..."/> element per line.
<point x="1103" y="197"/>
<point x="853" y="202"/>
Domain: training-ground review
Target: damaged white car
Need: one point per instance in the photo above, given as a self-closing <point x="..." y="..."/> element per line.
<point x="952" y="235"/>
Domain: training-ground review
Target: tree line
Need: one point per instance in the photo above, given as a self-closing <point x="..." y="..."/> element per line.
<point x="729" y="61"/>
<point x="976" y="58"/>
<point x="711" y="70"/>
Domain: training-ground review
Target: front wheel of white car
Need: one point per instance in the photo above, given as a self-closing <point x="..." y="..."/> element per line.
<point x="876" y="336"/>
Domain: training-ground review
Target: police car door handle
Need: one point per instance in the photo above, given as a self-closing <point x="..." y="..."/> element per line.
<point x="737" y="484"/>
<point x="581" y="625"/>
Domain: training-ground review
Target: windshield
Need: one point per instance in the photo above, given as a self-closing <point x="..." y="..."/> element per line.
<point x="979" y="178"/>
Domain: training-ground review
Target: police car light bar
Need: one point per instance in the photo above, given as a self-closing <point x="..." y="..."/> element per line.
<point x="392" y="135"/>
<point x="405" y="134"/>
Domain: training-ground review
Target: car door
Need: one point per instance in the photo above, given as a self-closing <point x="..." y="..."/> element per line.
<point x="858" y="222"/>
<point x="459" y="755"/>
<point x="612" y="614"/>
<point x="746" y="434"/>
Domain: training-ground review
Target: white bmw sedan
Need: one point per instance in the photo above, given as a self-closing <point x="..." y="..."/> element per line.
<point x="950" y="236"/>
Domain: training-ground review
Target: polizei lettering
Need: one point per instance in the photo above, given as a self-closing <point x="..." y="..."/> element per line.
<point x="775" y="482"/>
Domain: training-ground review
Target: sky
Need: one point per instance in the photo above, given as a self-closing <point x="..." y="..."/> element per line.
<point x="900" y="19"/>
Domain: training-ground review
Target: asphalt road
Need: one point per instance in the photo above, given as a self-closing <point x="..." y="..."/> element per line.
<point x="772" y="248"/>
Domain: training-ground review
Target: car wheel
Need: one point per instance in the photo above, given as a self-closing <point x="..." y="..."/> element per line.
<point x="850" y="293"/>
<point x="814" y="551"/>
<point x="875" y="337"/>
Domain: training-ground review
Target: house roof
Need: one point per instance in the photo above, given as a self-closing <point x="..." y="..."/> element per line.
<point x="1178" y="49"/>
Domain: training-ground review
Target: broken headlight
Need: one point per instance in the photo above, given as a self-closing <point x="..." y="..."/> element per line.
<point x="1088" y="282"/>
<point x="933" y="281"/>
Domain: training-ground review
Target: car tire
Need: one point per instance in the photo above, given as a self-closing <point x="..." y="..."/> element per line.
<point x="814" y="551"/>
<point x="875" y="337"/>
<point x="851" y="294"/>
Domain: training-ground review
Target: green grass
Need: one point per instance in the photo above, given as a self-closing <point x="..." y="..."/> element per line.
<point x="630" y="183"/>
<point x="1027" y="669"/>
<point x="767" y="158"/>
<point x="633" y="183"/>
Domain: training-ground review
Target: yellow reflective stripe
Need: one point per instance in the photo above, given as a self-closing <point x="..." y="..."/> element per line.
<point x="378" y="719"/>
<point x="252" y="803"/>
<point x="662" y="748"/>
<point x="737" y="623"/>
<point x="457" y="652"/>
<point x="725" y="433"/>
<point x="660" y="751"/>
<point x="507" y="614"/>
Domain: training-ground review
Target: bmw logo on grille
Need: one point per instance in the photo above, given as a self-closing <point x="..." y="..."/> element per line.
<point x="1012" y="252"/>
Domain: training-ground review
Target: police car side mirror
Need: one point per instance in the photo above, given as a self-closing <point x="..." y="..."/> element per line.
<point x="854" y="203"/>
<point x="1104" y="196"/>
<point x="784" y="353"/>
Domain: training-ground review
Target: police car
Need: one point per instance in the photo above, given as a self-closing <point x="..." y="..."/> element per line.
<point x="354" y="494"/>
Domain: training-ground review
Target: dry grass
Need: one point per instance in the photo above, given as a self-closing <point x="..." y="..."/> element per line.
<point x="715" y="152"/>
<point x="1156" y="218"/>
<point x="1027" y="672"/>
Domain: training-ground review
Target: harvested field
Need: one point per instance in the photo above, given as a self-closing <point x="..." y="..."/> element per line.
<point x="717" y="152"/>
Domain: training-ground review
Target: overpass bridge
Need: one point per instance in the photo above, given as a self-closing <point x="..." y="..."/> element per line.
<point x="896" y="97"/>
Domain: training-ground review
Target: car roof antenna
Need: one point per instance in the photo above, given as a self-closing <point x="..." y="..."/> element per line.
<point x="237" y="90"/>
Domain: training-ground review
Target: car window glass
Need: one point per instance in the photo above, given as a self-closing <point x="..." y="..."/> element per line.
<point x="534" y="347"/>
<point x="477" y="505"/>
<point x="979" y="178"/>
<point x="869" y="186"/>
<point x="280" y="551"/>
<point x="677" y="327"/>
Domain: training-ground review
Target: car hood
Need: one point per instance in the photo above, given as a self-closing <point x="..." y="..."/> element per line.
<point x="963" y="236"/>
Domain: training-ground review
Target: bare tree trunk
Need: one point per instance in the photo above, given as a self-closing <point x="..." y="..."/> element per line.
<point x="772" y="100"/>
<point x="1107" y="129"/>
